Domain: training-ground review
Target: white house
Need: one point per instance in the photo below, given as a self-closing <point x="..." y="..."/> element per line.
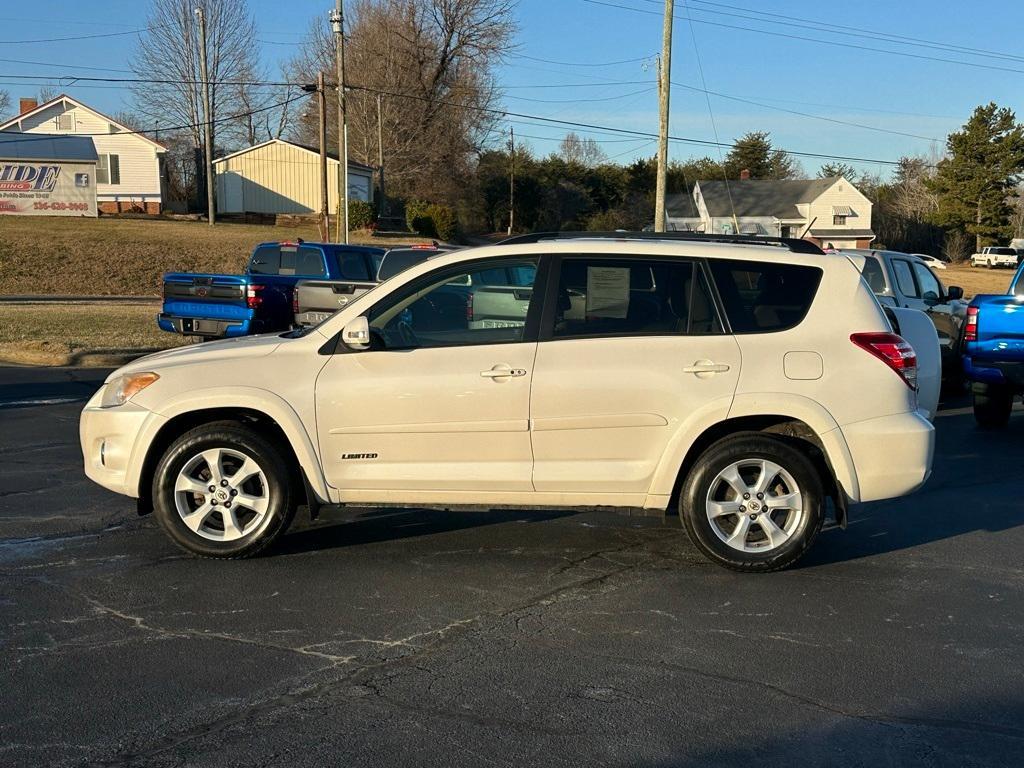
<point x="828" y="211"/>
<point x="129" y="171"/>
<point x="282" y="177"/>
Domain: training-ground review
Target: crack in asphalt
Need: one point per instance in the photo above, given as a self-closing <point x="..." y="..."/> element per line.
<point x="368" y="675"/>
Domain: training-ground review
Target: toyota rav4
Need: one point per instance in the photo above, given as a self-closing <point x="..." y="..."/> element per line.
<point x="741" y="384"/>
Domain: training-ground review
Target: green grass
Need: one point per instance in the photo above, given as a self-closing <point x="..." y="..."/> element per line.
<point x="113" y="256"/>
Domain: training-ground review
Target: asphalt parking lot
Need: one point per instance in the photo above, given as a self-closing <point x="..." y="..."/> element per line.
<point x="427" y="638"/>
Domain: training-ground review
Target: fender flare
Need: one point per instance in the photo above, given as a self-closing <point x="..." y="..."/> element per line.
<point x="255" y="399"/>
<point x="789" y="406"/>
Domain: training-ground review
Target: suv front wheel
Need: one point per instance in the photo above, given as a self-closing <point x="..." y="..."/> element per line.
<point x="222" y="490"/>
<point x="753" y="502"/>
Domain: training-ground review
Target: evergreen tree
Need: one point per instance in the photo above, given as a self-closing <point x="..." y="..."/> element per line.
<point x="973" y="184"/>
<point x="754" y="152"/>
<point x="831" y="170"/>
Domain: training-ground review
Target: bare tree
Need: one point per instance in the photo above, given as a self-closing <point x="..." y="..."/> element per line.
<point x="5" y="103"/>
<point x="581" y="151"/>
<point x="432" y="63"/>
<point x="169" y="51"/>
<point x="48" y="93"/>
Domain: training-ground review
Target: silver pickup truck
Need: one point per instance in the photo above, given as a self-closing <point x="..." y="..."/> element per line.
<point x="315" y="300"/>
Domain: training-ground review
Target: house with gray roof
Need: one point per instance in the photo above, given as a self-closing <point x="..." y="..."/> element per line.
<point x="828" y="211"/>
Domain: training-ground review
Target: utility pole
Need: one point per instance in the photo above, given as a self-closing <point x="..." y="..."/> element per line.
<point x="325" y="219"/>
<point x="338" y="26"/>
<point x="211" y="213"/>
<point x="382" y="203"/>
<point x="511" y="179"/>
<point x="664" y="85"/>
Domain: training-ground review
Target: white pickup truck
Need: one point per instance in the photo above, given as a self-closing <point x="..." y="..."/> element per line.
<point x="993" y="256"/>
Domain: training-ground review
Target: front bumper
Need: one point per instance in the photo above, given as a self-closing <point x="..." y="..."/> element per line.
<point x="892" y="455"/>
<point x="109" y="438"/>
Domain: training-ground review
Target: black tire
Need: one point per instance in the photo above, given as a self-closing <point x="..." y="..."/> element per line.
<point x="235" y="438"/>
<point x="992" y="406"/>
<point x="739" y="447"/>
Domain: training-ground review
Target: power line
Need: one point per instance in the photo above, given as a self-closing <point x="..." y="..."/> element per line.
<point x="52" y="64"/>
<point x="846" y="29"/>
<point x="579" y="63"/>
<point x="832" y="43"/>
<point x="589" y="101"/>
<point x="811" y="115"/>
<point x="75" y="37"/>
<point x="473" y="107"/>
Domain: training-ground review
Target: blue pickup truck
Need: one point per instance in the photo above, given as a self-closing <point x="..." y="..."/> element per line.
<point x="993" y="352"/>
<point x="260" y="300"/>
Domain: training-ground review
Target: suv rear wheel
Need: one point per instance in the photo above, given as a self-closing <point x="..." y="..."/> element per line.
<point x="992" y="407"/>
<point x="222" y="490"/>
<point x="753" y="502"/>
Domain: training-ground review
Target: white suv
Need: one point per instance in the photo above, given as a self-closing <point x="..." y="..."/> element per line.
<point x="740" y="384"/>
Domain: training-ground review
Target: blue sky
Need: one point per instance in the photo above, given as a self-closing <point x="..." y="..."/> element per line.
<point x="825" y="75"/>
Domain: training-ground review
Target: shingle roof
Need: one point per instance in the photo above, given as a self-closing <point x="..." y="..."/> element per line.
<point x="45" y="147"/>
<point x="761" y="197"/>
<point x="842" y="234"/>
<point x="680" y="205"/>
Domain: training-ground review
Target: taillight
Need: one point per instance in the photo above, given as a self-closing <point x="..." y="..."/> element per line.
<point x="469" y="307"/>
<point x="252" y="296"/>
<point x="893" y="350"/>
<point x="295" y="301"/>
<point x="971" y="328"/>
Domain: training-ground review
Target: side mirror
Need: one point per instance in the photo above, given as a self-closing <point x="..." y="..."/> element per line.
<point x="954" y="293"/>
<point x="356" y="334"/>
<point x="930" y="298"/>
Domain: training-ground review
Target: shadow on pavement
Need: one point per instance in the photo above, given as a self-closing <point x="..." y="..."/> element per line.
<point x="342" y="528"/>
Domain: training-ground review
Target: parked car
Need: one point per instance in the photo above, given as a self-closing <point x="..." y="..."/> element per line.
<point x="993" y="257"/>
<point x="707" y="375"/>
<point x="313" y="301"/>
<point x="260" y="300"/>
<point x="904" y="280"/>
<point x="932" y="262"/>
<point x="994" y="352"/>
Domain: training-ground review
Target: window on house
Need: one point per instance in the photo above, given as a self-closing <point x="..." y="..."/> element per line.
<point x="108" y="169"/>
<point x="66" y="122"/>
<point x="839" y="221"/>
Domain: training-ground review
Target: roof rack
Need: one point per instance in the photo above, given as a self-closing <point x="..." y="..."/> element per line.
<point x="793" y="244"/>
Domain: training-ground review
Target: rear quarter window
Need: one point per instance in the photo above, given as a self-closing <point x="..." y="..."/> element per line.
<point x="266" y="260"/>
<point x="763" y="297"/>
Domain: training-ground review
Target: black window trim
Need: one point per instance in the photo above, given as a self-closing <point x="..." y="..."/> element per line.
<point x="533" y="314"/>
<point x="547" y="320"/>
<point x="762" y="332"/>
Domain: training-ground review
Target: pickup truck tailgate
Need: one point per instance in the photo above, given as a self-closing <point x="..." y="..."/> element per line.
<point x="1000" y="328"/>
<point x="204" y="304"/>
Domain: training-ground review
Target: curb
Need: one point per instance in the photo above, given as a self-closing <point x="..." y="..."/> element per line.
<point x="84" y="358"/>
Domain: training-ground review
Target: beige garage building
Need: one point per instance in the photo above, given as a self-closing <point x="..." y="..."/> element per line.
<point x="281" y="177"/>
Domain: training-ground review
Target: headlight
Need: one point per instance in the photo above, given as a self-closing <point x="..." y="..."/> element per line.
<point x="122" y="389"/>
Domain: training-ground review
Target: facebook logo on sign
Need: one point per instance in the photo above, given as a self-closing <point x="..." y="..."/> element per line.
<point x="81" y="179"/>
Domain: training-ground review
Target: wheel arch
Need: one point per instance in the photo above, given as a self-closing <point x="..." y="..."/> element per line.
<point x="280" y="422"/>
<point x="784" y="426"/>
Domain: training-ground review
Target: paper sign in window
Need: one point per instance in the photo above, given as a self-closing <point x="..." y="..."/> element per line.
<point x="608" y="292"/>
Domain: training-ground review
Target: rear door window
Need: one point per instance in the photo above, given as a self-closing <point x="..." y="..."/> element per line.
<point x="905" y="278"/>
<point x="874" y="275"/>
<point x="632" y="297"/>
<point x="266" y="260"/>
<point x="352" y="266"/>
<point x="763" y="297"/>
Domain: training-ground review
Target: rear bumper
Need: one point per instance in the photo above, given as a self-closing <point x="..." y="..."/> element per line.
<point x="311" y="317"/>
<point x="892" y="455"/>
<point x="202" y="326"/>
<point x="995" y="372"/>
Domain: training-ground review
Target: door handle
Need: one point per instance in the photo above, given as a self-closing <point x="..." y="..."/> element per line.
<point x="502" y="372"/>
<point x="706" y="368"/>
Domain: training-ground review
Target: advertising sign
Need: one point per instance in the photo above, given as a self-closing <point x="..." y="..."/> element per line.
<point x="47" y="189"/>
